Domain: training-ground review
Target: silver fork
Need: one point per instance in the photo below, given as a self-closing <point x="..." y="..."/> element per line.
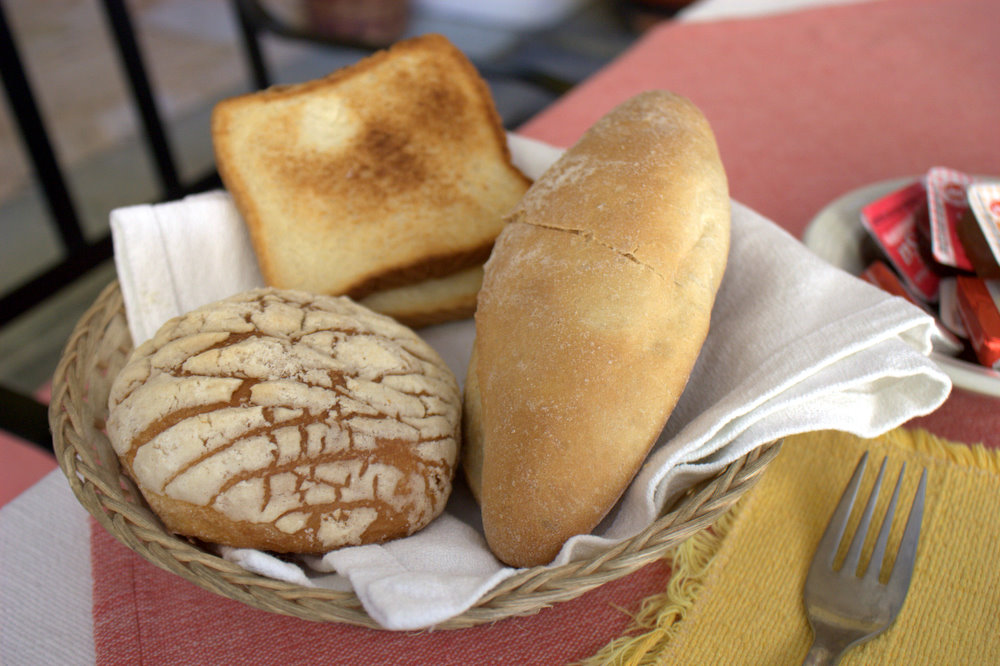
<point x="847" y="608"/>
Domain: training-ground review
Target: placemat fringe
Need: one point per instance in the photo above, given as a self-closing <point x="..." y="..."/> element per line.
<point x="660" y="615"/>
<point x="967" y="455"/>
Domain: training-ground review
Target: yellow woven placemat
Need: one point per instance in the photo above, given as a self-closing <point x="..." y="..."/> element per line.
<point x="735" y="596"/>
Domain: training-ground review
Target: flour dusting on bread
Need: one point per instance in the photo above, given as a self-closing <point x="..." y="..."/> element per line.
<point x="594" y="307"/>
<point x="289" y="422"/>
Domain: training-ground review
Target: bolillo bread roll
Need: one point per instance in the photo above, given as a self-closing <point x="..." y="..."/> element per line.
<point x="594" y="307"/>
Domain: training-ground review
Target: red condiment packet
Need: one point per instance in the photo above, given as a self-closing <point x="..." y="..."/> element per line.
<point x="984" y="201"/>
<point x="883" y="277"/>
<point x="892" y="221"/>
<point x="947" y="202"/>
<point x="979" y="303"/>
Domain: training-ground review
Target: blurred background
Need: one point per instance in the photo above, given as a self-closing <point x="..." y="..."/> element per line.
<point x="108" y="104"/>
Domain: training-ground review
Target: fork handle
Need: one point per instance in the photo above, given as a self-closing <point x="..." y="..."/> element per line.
<point x="829" y="643"/>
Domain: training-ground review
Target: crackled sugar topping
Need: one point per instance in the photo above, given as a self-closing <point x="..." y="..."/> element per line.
<point x="311" y="416"/>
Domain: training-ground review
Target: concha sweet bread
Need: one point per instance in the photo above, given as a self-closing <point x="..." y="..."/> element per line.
<point x="290" y="422"/>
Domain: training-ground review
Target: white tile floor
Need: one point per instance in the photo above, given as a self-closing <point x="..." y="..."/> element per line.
<point x="192" y="52"/>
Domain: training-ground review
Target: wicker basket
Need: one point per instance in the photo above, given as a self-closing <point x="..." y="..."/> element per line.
<point x="98" y="349"/>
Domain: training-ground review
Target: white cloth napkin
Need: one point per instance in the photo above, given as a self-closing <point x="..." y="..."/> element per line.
<point x="795" y="345"/>
<point x="172" y="258"/>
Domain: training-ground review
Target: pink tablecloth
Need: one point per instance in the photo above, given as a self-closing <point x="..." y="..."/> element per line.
<point x="809" y="105"/>
<point x="23" y="462"/>
<point x="806" y="107"/>
<point x="23" y="465"/>
<point x="145" y="615"/>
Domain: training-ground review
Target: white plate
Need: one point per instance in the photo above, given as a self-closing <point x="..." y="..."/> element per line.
<point x="837" y="236"/>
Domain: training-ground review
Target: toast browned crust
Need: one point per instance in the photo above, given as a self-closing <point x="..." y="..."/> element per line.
<point x="385" y="173"/>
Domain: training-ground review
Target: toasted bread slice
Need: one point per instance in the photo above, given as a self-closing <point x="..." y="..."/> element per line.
<point x="385" y="173"/>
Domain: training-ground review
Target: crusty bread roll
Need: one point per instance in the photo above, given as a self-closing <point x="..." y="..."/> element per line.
<point x="283" y="421"/>
<point x="391" y="172"/>
<point x="594" y="306"/>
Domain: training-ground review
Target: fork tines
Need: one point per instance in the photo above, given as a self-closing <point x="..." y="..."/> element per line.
<point x="903" y="565"/>
<point x="846" y="608"/>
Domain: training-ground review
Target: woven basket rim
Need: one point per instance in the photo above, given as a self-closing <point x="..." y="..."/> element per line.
<point x="98" y="348"/>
